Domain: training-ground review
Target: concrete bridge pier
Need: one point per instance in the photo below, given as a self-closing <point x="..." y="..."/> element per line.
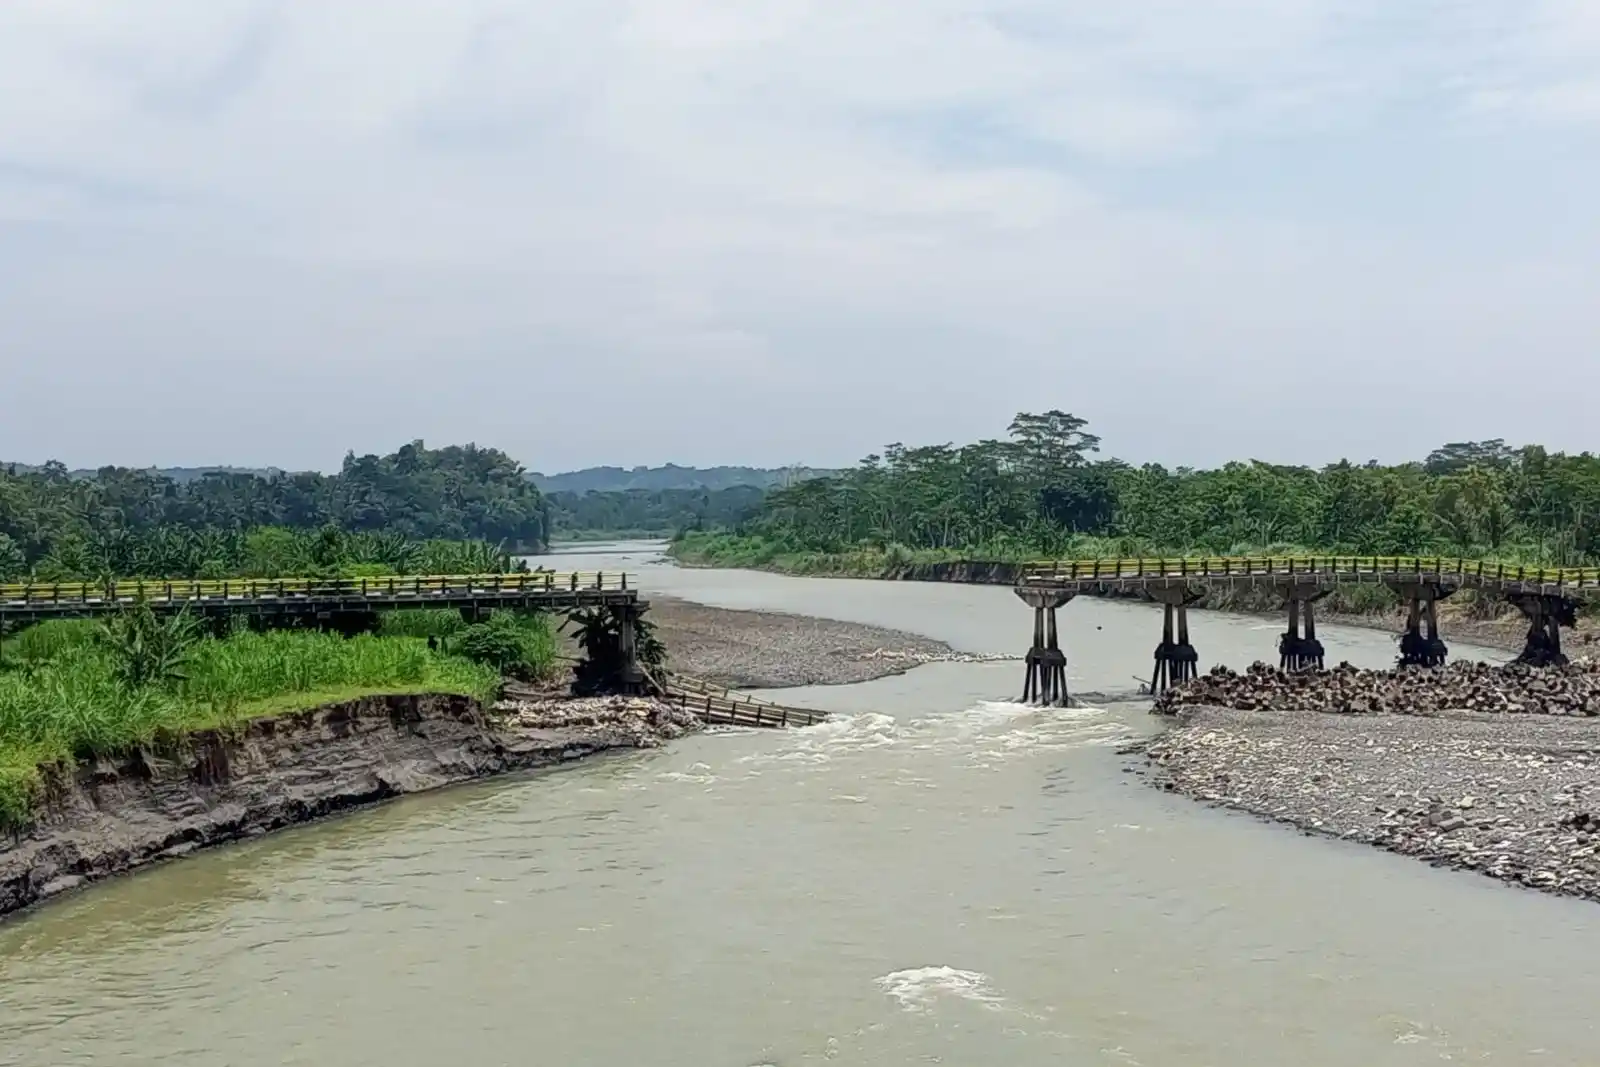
<point x="1420" y="645"/>
<point x="1176" y="659"/>
<point x="632" y="673"/>
<point x="1046" y="679"/>
<point x="1546" y="615"/>
<point x="1299" y="650"/>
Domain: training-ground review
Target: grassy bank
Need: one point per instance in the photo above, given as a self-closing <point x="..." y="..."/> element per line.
<point x="77" y="689"/>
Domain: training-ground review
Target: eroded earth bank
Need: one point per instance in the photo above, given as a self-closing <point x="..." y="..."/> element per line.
<point x="110" y="817"/>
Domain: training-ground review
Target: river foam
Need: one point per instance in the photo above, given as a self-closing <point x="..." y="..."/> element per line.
<point x="917" y="989"/>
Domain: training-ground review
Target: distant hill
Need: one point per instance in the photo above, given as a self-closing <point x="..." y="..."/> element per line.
<point x="181" y="475"/>
<point x="671" y="476"/>
<point x="588" y="480"/>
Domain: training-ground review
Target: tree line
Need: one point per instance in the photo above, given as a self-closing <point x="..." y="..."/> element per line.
<point x="1041" y="492"/>
<point x="447" y="510"/>
<point x="647" y="512"/>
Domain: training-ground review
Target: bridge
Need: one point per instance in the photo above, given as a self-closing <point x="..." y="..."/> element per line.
<point x="1547" y="597"/>
<point x="724" y="707"/>
<point x="29" y="602"/>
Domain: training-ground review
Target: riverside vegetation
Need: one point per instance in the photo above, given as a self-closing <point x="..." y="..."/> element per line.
<point x="1040" y="494"/>
<point x="406" y="510"/>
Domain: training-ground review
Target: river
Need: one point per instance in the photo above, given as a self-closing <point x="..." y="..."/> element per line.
<point x="938" y="877"/>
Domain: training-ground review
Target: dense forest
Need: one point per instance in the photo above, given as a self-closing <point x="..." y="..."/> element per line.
<point x="445" y="510"/>
<point x="1041" y="492"/>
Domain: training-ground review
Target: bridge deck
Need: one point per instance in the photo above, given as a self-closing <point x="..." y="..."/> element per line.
<point x="1133" y="575"/>
<point x="724" y="707"/>
<point x="35" y="601"/>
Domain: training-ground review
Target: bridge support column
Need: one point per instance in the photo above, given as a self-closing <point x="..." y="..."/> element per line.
<point x="1299" y="650"/>
<point x="632" y="674"/>
<point x="1046" y="679"/>
<point x="1176" y="659"/>
<point x="1546" y="615"/>
<point x="1420" y="645"/>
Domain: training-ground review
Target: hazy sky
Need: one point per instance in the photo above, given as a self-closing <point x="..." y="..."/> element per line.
<point x="768" y="231"/>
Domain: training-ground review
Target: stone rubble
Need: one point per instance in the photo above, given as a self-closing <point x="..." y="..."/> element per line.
<point x="1513" y="689"/>
<point x="642" y="722"/>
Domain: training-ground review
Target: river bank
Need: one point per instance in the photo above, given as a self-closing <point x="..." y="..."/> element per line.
<point x="1477" y="768"/>
<point x="110" y="817"/>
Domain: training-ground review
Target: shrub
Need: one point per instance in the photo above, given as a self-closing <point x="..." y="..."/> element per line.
<point x="146" y="649"/>
<point x="519" y="646"/>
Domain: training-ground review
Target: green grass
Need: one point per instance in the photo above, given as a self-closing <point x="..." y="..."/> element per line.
<point x="71" y="705"/>
<point x="421" y="622"/>
<point x="45" y="641"/>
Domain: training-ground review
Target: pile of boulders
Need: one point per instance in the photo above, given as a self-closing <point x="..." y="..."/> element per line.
<point x="1572" y="689"/>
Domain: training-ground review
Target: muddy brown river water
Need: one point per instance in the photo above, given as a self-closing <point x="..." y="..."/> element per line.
<point x="937" y="876"/>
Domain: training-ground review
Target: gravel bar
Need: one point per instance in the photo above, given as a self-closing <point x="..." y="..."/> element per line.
<point x="1514" y="797"/>
<point x="764" y="650"/>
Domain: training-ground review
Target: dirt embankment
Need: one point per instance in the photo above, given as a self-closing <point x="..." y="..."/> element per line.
<point x="109" y="817"/>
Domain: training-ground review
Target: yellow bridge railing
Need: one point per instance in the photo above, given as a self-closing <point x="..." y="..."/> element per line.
<point x="1331" y="566"/>
<point x="422" y="587"/>
<point x="718" y="704"/>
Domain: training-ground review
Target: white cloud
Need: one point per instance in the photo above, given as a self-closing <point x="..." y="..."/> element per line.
<point x="327" y="187"/>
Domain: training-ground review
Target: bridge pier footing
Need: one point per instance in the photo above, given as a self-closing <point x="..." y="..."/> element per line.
<point x="1176" y="659"/>
<point x="1420" y="645"/>
<point x="1546" y="615"/>
<point x="1045" y="680"/>
<point x="1299" y="650"/>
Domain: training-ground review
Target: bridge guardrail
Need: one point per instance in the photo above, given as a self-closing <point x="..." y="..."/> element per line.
<point x="1276" y="566"/>
<point x="263" y="589"/>
<point x="718" y="704"/>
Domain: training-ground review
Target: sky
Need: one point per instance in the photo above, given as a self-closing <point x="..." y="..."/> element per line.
<point x="268" y="232"/>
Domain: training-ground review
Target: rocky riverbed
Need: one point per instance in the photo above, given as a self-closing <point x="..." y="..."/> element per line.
<point x="765" y="650"/>
<point x="1515" y="799"/>
<point x="1494" y="770"/>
